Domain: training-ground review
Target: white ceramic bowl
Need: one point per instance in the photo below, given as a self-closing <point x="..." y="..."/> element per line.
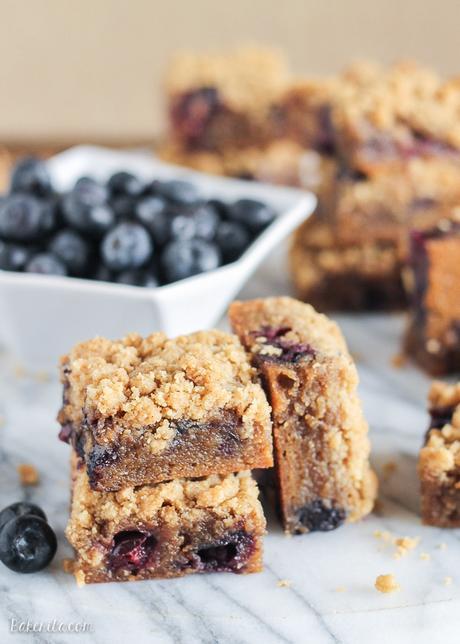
<point x="41" y="317"/>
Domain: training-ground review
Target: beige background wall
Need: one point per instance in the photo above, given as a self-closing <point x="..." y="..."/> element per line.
<point x="91" y="69"/>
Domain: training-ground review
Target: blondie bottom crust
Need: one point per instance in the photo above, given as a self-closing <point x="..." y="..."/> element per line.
<point x="320" y="435"/>
<point x="439" y="461"/>
<point x="225" y="101"/>
<point x="433" y="280"/>
<point x="402" y="112"/>
<point x="336" y="276"/>
<point x="172" y="529"/>
<point x="148" y="410"/>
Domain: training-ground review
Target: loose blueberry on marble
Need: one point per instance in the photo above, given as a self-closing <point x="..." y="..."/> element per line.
<point x="27" y="544"/>
<point x="19" y="509"/>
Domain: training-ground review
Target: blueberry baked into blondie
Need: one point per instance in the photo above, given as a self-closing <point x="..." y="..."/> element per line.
<point x="439" y="459"/>
<point x="171" y="529"/>
<point x="320" y="435"/>
<point x="140" y="411"/>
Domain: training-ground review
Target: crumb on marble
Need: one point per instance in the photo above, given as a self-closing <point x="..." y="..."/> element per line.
<point x="68" y="566"/>
<point x="42" y="376"/>
<point x="19" y="371"/>
<point x="404" y="545"/>
<point x="80" y="578"/>
<point x="386" y="584"/>
<point x="442" y="546"/>
<point x="28" y="474"/>
<point x="425" y="556"/>
<point x="399" y="360"/>
<point x="383" y="535"/>
<point x="284" y="583"/>
<point x="340" y="589"/>
<point x="448" y="581"/>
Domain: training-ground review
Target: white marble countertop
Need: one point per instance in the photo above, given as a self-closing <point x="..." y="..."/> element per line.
<point x="330" y="596"/>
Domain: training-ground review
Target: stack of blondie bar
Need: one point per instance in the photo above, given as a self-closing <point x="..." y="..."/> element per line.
<point x="165" y="432"/>
<point x="381" y="147"/>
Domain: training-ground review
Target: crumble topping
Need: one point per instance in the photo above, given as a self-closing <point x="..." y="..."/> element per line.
<point x="387" y="584"/>
<point x="28" y="474"/>
<point x="154" y="382"/>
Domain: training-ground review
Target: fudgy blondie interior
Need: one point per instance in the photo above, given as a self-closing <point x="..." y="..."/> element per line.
<point x="171" y="529"/>
<point x="433" y="279"/>
<point x="320" y="435"/>
<point x="439" y="459"/>
<point x="147" y="410"/>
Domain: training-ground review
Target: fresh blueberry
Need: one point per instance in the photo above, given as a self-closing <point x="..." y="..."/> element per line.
<point x="31" y="175"/>
<point x="181" y="259"/>
<point x="232" y="239"/>
<point x="169" y="226"/>
<point x="125" y="183"/>
<point x="220" y="207"/>
<point x="139" y="277"/>
<point x="71" y="249"/>
<point x="180" y="192"/>
<point x="27" y="544"/>
<point x="18" y="510"/>
<point x="317" y="516"/>
<point x="126" y="246"/>
<point x="13" y="257"/>
<point x="24" y="218"/>
<point x="251" y="213"/>
<point x="91" y="219"/>
<point x="148" y="209"/>
<point x="206" y="222"/>
<point x="45" y="264"/>
<point x="90" y="192"/>
<point x="123" y="206"/>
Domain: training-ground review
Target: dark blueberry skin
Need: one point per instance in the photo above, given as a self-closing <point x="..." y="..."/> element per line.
<point x="169" y="226"/>
<point x="13" y="257"/>
<point x="227" y="555"/>
<point x="318" y="517"/>
<point x="291" y="352"/>
<point x="126" y="246"/>
<point x="220" y="207"/>
<point x="30" y="175"/>
<point x="45" y="264"/>
<point x="125" y="183"/>
<point x="139" y="277"/>
<point x="131" y="550"/>
<point x="181" y="259"/>
<point x="70" y="247"/>
<point x="27" y="544"/>
<point x="103" y="274"/>
<point x="179" y="192"/>
<point x="93" y="220"/>
<point x="20" y="509"/>
<point x="206" y="222"/>
<point x="148" y="209"/>
<point x="123" y="206"/>
<point x="253" y="214"/>
<point x="232" y="239"/>
<point x="24" y="218"/>
<point x="90" y="192"/>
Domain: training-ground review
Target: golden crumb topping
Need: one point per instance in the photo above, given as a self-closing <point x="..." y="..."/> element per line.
<point x="386" y="584"/>
<point x="153" y="382"/>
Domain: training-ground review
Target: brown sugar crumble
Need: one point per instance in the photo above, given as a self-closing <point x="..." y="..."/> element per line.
<point x="28" y="474"/>
<point x="399" y="360"/>
<point x="284" y="583"/>
<point x="387" y="584"/>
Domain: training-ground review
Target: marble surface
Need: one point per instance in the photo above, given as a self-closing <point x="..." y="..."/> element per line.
<point x="330" y="595"/>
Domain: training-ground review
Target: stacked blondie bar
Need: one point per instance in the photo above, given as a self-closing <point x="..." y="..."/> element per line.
<point x="165" y="432"/>
<point x="381" y="147"/>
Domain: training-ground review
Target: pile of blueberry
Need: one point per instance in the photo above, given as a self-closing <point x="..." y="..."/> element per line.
<point x="125" y="231"/>
<point x="27" y="542"/>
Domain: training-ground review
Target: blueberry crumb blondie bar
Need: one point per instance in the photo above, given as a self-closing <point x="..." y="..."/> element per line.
<point x="433" y="282"/>
<point x="438" y="465"/>
<point x="141" y="411"/>
<point x="320" y="435"/>
<point x="171" y="529"/>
